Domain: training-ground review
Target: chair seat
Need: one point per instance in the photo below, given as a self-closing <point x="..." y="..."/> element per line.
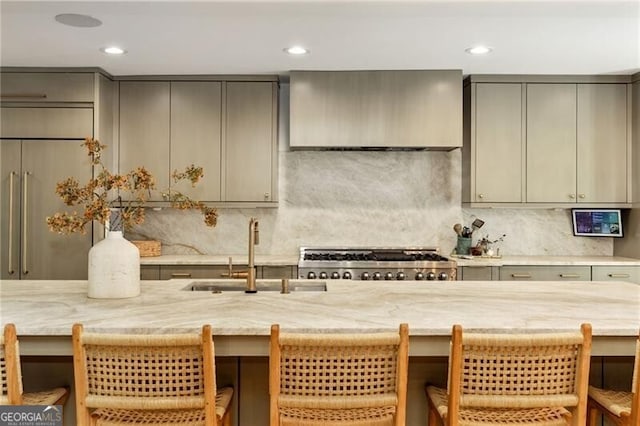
<point x="56" y="396"/>
<point x="617" y="402"/>
<point x="115" y="417"/>
<point x="556" y="416"/>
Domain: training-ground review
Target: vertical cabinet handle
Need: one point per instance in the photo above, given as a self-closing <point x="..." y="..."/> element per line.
<point x="10" y="270"/>
<point x="25" y="197"/>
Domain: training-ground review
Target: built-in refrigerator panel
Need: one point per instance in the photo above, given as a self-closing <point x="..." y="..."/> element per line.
<point x="36" y="252"/>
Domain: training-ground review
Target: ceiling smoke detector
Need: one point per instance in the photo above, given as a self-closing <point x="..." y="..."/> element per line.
<point x="77" y="20"/>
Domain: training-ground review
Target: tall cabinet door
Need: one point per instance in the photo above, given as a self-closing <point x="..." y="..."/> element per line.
<point x="602" y="143"/>
<point x="551" y="143"/>
<point x="498" y="147"/>
<point x="195" y="135"/>
<point x="10" y="209"/>
<point x="47" y="255"/>
<point x="250" y="136"/>
<point x="144" y="130"/>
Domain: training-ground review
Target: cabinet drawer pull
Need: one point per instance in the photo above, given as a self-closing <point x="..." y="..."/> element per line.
<point x="181" y="275"/>
<point x="569" y="276"/>
<point x="619" y="275"/>
<point x="24" y="95"/>
<point x="521" y="275"/>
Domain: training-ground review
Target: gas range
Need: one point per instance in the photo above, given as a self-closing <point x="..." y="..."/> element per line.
<point x="375" y="263"/>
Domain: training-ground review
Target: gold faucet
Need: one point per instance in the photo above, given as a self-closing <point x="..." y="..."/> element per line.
<point x="254" y="240"/>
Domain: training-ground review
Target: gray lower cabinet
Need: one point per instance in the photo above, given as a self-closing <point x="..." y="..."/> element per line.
<point x="616" y="273"/>
<point x="278" y="272"/>
<point x="197" y="271"/>
<point x="149" y="272"/>
<point x="545" y="273"/>
<point x="167" y="272"/>
<point x="478" y="273"/>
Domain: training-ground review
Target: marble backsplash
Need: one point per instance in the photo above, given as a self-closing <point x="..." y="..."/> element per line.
<point x="355" y="198"/>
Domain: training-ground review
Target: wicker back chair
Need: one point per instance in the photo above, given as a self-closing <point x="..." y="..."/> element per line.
<point x="514" y="379"/>
<point x="11" y="376"/>
<point x="338" y="379"/>
<point x="622" y="408"/>
<point x="141" y="379"/>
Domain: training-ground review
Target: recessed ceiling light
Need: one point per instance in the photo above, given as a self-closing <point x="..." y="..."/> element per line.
<point x="296" y="50"/>
<point x="77" y="20"/>
<point x="478" y="50"/>
<point x="113" y="50"/>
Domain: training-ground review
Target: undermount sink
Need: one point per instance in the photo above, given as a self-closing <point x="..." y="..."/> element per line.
<point x="219" y="286"/>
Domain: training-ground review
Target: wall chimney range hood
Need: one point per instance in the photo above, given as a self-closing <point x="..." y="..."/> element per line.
<point x="376" y="110"/>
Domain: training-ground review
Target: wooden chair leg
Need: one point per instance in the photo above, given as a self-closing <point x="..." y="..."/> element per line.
<point x="592" y="415"/>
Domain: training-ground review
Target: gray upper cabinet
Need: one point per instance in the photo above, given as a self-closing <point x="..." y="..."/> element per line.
<point x="492" y="154"/>
<point x="227" y="127"/>
<point x="196" y="135"/>
<point x="34" y="122"/>
<point x="47" y="87"/>
<point x="144" y="130"/>
<point x="551" y="143"/>
<point x="413" y="109"/>
<point x="250" y="150"/>
<point x="576" y="141"/>
<point x="602" y="143"/>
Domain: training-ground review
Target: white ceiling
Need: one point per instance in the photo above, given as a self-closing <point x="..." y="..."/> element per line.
<point x="247" y="37"/>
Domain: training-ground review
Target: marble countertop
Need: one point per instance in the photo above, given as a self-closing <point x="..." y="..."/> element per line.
<point x="49" y="308"/>
<point x="284" y="260"/>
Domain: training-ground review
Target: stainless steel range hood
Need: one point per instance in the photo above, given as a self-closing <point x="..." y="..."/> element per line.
<point x="376" y="110"/>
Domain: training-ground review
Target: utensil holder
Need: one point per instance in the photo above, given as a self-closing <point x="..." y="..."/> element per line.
<point x="463" y="246"/>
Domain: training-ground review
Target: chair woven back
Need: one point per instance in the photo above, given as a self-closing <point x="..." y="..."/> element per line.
<point x="519" y="371"/>
<point x="143" y="372"/>
<point x="4" y="398"/>
<point x="340" y="379"/>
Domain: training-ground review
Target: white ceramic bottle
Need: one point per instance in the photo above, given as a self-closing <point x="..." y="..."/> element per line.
<point x="114" y="268"/>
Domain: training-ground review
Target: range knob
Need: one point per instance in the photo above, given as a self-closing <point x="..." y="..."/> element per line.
<point x="443" y="276"/>
<point x="335" y="275"/>
<point x="365" y="276"/>
<point x="323" y="275"/>
<point x="400" y="276"/>
<point x="431" y="276"/>
<point x="377" y="276"/>
<point x="346" y="275"/>
<point x="388" y="276"/>
<point x="419" y="276"/>
<point x="311" y="275"/>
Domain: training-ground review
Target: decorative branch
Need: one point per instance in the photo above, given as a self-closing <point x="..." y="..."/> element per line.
<point x="94" y="197"/>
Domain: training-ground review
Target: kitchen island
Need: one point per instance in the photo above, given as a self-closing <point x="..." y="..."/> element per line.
<point x="44" y="312"/>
